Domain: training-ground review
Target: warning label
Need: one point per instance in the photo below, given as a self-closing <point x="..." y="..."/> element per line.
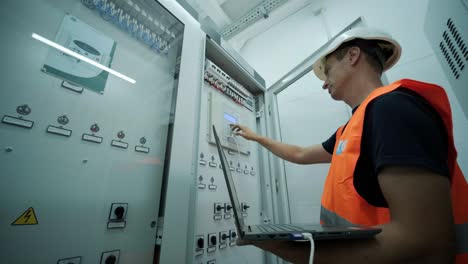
<point x="27" y="218"/>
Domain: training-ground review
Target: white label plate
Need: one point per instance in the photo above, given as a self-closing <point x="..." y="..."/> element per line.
<point x="74" y="260"/>
<point x="142" y="149"/>
<point x="211" y="249"/>
<point x="59" y="131"/>
<point x="111" y="225"/>
<point x="72" y="87"/>
<point x="119" y="144"/>
<point x="91" y="138"/>
<point x="222" y="246"/>
<point x="217" y="217"/>
<point x="17" y="121"/>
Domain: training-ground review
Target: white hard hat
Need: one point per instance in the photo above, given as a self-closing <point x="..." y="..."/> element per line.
<point x="360" y="33"/>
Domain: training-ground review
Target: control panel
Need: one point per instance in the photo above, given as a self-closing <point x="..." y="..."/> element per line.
<point x="227" y="104"/>
<point x="224" y="102"/>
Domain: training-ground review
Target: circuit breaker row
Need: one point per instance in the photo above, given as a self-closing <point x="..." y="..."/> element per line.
<point x="226" y="102"/>
<point x="214" y="241"/>
<point x="226" y="208"/>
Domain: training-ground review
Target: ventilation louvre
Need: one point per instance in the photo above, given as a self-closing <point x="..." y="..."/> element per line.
<point x="454" y="49"/>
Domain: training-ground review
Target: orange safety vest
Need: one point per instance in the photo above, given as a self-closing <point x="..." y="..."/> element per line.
<point x="342" y="205"/>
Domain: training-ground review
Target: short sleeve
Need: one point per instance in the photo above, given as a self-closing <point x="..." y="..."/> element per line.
<point x="329" y="144"/>
<point x="405" y="130"/>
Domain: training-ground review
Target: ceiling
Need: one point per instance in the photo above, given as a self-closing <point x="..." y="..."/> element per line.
<point x="236" y="9"/>
<point x="231" y="17"/>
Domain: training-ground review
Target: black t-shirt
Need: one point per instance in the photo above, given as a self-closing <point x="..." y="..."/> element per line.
<point x="400" y="128"/>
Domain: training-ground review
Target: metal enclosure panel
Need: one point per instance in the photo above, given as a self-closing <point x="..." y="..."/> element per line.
<point x="447" y="31"/>
<point x="210" y="185"/>
<point x="71" y="183"/>
<point x="177" y="233"/>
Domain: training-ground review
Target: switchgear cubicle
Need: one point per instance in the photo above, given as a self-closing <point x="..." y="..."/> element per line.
<point x="106" y="148"/>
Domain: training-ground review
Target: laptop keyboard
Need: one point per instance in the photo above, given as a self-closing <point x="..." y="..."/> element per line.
<point x="279" y="228"/>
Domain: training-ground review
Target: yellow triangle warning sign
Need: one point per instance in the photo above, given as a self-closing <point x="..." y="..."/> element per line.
<point x="27" y="218"/>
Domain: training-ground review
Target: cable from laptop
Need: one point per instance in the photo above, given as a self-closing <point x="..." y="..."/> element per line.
<point x="309" y="237"/>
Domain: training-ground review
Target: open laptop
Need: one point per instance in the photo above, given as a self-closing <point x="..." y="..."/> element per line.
<point x="283" y="231"/>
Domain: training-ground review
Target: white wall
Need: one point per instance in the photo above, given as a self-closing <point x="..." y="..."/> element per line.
<point x="276" y="51"/>
<point x="302" y="124"/>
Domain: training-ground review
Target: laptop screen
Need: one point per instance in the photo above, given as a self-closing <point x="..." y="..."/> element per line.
<point x="230" y="185"/>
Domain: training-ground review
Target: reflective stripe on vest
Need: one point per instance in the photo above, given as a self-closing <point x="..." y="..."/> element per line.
<point x="330" y="218"/>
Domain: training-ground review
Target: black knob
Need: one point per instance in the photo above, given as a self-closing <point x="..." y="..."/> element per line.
<point x="246" y="207"/>
<point x="111" y="259"/>
<point x="119" y="212"/>
<point x="213" y="240"/>
<point x="228" y="207"/>
<point x="224" y="237"/>
<point x="201" y="243"/>
<point x="219" y="207"/>
<point x="233" y="234"/>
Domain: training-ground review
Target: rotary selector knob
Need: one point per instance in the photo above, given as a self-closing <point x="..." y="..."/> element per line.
<point x="23" y="109"/>
<point x="94" y="128"/>
<point x="111" y="259"/>
<point x="119" y="212"/>
<point x="201" y="243"/>
<point x="213" y="240"/>
<point x="121" y="135"/>
<point x="63" y="120"/>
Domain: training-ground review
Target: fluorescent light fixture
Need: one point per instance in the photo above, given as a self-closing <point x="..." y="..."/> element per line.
<point x="81" y="57"/>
